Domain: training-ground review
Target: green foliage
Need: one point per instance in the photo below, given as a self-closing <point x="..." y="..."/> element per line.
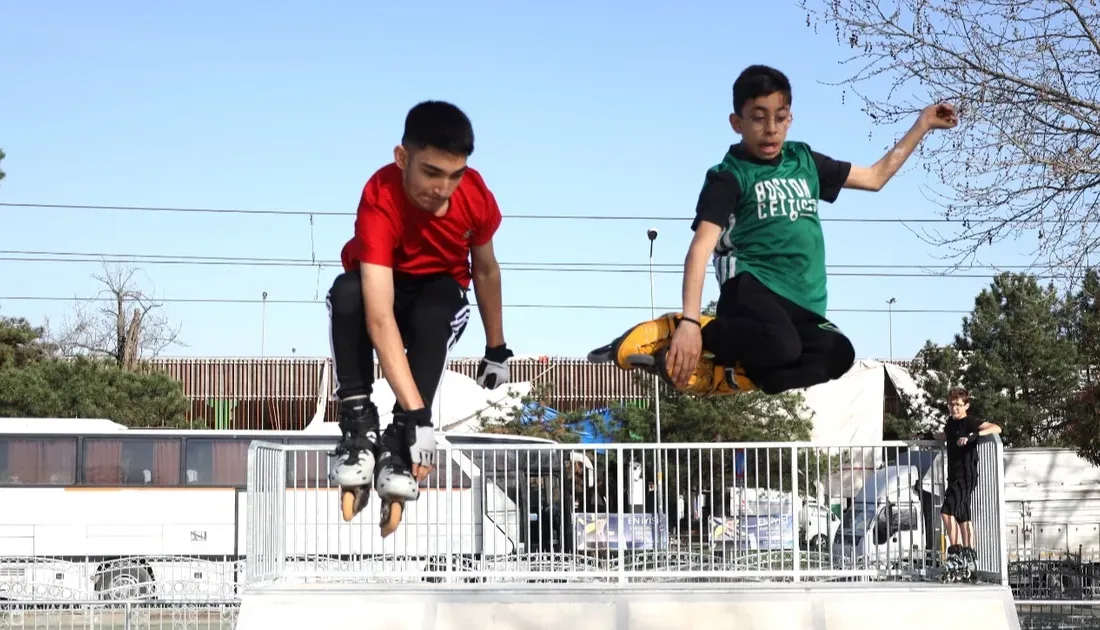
<point x="1019" y="358"/>
<point x="2" y="156"/>
<point x="35" y="383"/>
<point x="1019" y="353"/>
<point x="1082" y="427"/>
<point x="21" y="343"/>
<point x="1084" y="325"/>
<point x="749" y="417"/>
<point x="538" y="425"/>
<point x="899" y="427"/>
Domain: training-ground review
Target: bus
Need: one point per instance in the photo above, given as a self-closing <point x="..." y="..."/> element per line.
<point x="91" y="509"/>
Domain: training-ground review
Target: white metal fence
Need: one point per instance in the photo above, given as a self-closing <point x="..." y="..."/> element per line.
<point x="1033" y="615"/>
<point x="988" y="511"/>
<point x="624" y="513"/>
<point x="564" y="513"/>
<point x="68" y="615"/>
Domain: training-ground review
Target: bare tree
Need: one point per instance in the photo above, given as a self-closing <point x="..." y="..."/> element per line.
<point x="1024" y="77"/>
<point x="123" y="323"/>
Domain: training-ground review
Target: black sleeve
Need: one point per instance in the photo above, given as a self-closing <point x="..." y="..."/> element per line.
<point x="973" y="424"/>
<point x="717" y="200"/>
<point x="831" y="175"/>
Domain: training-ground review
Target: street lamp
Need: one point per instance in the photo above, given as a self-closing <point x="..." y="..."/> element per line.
<point x="651" y="234"/>
<point x="263" y="325"/>
<point x="890" y="323"/>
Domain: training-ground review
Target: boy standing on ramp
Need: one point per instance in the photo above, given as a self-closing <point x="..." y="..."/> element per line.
<point x="961" y="432"/>
<point x="757" y="217"/>
<point x="421" y="221"/>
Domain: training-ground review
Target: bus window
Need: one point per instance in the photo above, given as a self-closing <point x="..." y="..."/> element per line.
<point x="132" y="462"/>
<point x="38" y="462"/>
<point x="214" y="462"/>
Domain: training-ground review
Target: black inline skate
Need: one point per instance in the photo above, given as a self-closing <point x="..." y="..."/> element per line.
<point x="355" y="455"/>
<point x="409" y="439"/>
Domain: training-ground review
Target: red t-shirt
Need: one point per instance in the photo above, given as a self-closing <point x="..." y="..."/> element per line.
<point x="392" y="232"/>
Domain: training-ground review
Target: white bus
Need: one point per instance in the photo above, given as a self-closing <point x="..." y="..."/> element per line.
<point x="90" y="509"/>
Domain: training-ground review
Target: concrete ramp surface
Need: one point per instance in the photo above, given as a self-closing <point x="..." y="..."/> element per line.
<point x="853" y="606"/>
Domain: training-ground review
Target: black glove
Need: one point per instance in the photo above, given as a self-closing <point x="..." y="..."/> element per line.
<point x="492" y="372"/>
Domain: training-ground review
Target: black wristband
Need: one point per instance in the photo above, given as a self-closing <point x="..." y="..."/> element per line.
<point x="418" y="417"/>
<point x="693" y="321"/>
<point x="498" y="354"/>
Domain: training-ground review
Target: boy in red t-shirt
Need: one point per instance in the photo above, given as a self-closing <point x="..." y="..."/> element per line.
<point x="403" y="292"/>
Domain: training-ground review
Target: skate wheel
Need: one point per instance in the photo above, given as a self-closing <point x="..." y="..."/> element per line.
<point x="391" y="517"/>
<point x="351" y="502"/>
<point x="347" y="504"/>
<point x="641" y="361"/>
<point x="603" y="354"/>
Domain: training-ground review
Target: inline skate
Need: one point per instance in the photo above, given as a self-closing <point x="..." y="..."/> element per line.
<point x="355" y="454"/>
<point x="958" y="565"/>
<point x="408" y="440"/>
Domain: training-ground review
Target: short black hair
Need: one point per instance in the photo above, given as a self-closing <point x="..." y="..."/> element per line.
<point x="440" y="125"/>
<point x="757" y="81"/>
<point x="958" y="393"/>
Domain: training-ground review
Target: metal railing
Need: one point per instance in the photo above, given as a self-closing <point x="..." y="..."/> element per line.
<point x="1058" y="615"/>
<point x="988" y="511"/>
<point x="624" y="513"/>
<point x="93" y="615"/>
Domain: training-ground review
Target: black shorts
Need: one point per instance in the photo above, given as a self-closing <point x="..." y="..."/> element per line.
<point x="956" y="499"/>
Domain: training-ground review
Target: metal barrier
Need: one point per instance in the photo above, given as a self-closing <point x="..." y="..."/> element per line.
<point x="92" y="615"/>
<point x="533" y="512"/>
<point x="988" y="512"/>
<point x="1058" y="615"/>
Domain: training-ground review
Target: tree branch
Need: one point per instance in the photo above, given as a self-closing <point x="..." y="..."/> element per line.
<point x="1025" y="158"/>
<point x="131" y="328"/>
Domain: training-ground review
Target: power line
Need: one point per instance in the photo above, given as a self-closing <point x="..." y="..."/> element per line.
<point x="555" y="266"/>
<point x="310" y="262"/>
<point x="550" y="217"/>
<point x="111" y="298"/>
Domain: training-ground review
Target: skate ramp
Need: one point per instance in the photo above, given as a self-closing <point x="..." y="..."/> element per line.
<point x="632" y="607"/>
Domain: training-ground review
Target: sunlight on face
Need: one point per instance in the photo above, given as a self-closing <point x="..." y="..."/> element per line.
<point x="763" y="124"/>
<point x="430" y="176"/>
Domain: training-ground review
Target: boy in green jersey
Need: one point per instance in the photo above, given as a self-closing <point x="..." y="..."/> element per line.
<point x="757" y="217"/>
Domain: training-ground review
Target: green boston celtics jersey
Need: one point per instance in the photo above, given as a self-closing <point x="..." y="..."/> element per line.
<point x="774" y="232"/>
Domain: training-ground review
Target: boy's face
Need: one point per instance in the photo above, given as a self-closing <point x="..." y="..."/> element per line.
<point x="763" y="124"/>
<point x="430" y="175"/>
<point x="958" y="408"/>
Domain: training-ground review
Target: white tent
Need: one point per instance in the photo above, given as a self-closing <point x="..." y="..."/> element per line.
<point x="849" y="409"/>
<point x="460" y="404"/>
<point x="849" y="412"/>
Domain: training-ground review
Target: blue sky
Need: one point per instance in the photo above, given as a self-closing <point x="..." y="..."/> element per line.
<point x="597" y="109"/>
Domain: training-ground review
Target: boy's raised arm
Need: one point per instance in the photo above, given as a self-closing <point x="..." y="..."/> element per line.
<point x="874" y="177"/>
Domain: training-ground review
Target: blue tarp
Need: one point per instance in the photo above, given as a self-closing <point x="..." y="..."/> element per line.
<point x="590" y="429"/>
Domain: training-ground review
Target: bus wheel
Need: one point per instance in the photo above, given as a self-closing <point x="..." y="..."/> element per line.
<point x="132" y="582"/>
